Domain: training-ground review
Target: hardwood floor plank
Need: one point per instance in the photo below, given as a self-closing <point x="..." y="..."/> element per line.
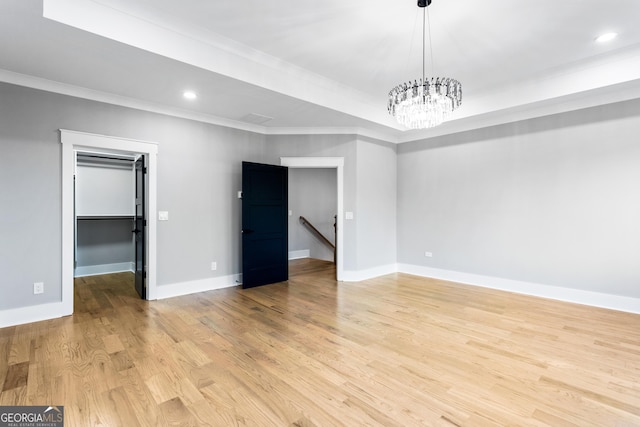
<point x="121" y="361"/>
<point x="112" y="344"/>
<point x="397" y="350"/>
<point x="161" y="388"/>
<point x="140" y="398"/>
<point x="175" y="413"/>
<point x="17" y="376"/>
<point x="19" y="349"/>
<point x="40" y="387"/>
<point x="13" y="396"/>
<point x="118" y="409"/>
<point x="207" y="414"/>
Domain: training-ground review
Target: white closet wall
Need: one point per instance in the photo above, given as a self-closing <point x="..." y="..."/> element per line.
<point x="105" y="208"/>
<point x="104" y="190"/>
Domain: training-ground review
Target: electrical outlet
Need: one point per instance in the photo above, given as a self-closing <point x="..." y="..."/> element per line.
<point x="428" y="254"/>
<point x="38" y="288"/>
<point x="214" y="265"/>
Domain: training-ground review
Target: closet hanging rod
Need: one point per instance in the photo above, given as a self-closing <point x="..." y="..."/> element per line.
<point x="105" y="217"/>
<point x="101" y="157"/>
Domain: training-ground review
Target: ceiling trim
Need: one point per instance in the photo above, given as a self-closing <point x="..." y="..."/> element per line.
<point x="123" y="101"/>
<point x="607" y="78"/>
<point x="219" y="55"/>
<point x="600" y="96"/>
<point x="332" y="131"/>
<point x="620" y="92"/>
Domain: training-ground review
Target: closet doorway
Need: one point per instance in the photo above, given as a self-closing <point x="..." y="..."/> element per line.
<point x="79" y="142"/>
<point x="110" y="215"/>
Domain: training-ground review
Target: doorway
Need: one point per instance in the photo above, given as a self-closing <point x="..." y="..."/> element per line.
<point x="336" y="163"/>
<point x="312" y="216"/>
<point x="73" y="142"/>
<point x="110" y="215"/>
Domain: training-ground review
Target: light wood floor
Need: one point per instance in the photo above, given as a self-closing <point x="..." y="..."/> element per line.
<point x="394" y="351"/>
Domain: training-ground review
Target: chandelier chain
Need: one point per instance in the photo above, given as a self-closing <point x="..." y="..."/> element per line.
<point x="423" y="43"/>
<point x="433" y="64"/>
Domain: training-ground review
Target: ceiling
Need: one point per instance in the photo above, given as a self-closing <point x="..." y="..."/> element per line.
<point x="323" y="66"/>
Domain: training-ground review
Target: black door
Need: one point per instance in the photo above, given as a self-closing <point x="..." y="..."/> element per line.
<point x="140" y="229"/>
<point x="264" y="224"/>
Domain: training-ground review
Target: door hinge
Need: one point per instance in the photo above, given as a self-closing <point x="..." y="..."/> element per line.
<point x="144" y="170"/>
<point x="144" y="274"/>
<point x="144" y="222"/>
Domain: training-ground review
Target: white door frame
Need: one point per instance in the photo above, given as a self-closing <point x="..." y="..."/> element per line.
<point x="327" y="163"/>
<point x="72" y="142"/>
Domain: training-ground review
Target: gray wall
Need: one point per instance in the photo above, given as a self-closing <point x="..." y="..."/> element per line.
<point x="376" y="217"/>
<point x="312" y="194"/>
<point x="107" y="241"/>
<point x="199" y="175"/>
<point x="369" y="192"/>
<point x="325" y="146"/>
<point x="30" y="198"/>
<point x="553" y="201"/>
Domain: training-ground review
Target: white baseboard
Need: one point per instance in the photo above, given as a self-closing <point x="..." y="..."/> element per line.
<point x="304" y="253"/>
<point x="579" y="296"/>
<point x="195" y="286"/>
<point x="34" y="313"/>
<point x="359" y="275"/>
<point x="94" y="270"/>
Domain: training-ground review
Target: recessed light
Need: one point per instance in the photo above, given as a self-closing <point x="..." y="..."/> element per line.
<point x="188" y="94"/>
<point x="607" y="37"/>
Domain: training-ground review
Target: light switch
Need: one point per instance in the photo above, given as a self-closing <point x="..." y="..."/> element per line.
<point x="163" y="216"/>
<point x="348" y="215"/>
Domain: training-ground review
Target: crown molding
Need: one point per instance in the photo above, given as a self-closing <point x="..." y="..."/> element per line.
<point x="212" y="52"/>
<point x="600" y="96"/>
<point x="332" y="130"/>
<point x="123" y="101"/>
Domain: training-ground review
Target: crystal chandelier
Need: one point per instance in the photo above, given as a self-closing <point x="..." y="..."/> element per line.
<point x="426" y="102"/>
